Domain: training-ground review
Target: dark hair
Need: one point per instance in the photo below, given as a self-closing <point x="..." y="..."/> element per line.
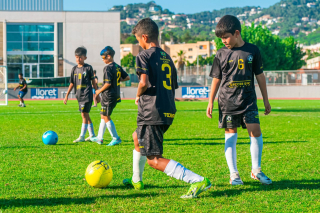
<point x="148" y="27"/>
<point x="81" y="51"/>
<point x="21" y="74"/>
<point x="108" y="51"/>
<point x="227" y="24"/>
<point x="94" y="72"/>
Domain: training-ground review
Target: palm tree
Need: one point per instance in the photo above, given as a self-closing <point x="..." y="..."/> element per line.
<point x="181" y="60"/>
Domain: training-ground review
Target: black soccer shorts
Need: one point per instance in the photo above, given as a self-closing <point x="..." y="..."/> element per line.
<point x="150" y="139"/>
<point x="85" y="107"/>
<point x="106" y="110"/>
<point x="235" y="121"/>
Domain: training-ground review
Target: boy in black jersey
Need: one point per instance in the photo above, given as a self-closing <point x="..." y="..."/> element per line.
<point x="82" y="80"/>
<point x="23" y="89"/>
<point x="234" y="68"/>
<point x="110" y="95"/>
<point x="156" y="110"/>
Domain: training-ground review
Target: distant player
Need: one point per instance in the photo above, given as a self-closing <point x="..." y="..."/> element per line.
<point x="110" y="95"/>
<point x="93" y="90"/>
<point x="233" y="70"/>
<point x="81" y="80"/>
<point x="23" y="89"/>
<point x="156" y="110"/>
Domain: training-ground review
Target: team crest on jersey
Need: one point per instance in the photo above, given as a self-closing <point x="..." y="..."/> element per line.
<point x="250" y="59"/>
<point x="163" y="54"/>
<point x="84" y="74"/>
<point x="229" y="118"/>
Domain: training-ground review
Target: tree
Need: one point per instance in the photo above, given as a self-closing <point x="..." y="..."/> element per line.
<point x="128" y="60"/>
<point x="131" y="40"/>
<point x="181" y="59"/>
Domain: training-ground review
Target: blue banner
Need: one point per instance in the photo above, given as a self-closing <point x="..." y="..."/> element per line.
<point x="44" y="93"/>
<point x="195" y="92"/>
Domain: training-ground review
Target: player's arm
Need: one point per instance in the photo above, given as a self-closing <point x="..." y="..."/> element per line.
<point x="94" y="84"/>
<point x="105" y="86"/>
<point x="263" y="88"/>
<point x="216" y="74"/>
<point x="142" y="86"/>
<point x="124" y="76"/>
<point x="214" y="89"/>
<point x="68" y="92"/>
<point x="258" y="71"/>
<point x="16" y="87"/>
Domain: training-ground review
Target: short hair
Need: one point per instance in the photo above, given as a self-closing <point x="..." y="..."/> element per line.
<point x="21" y="74"/>
<point x="108" y="51"/>
<point x="94" y="72"/>
<point x="81" y="51"/>
<point x="148" y="27"/>
<point x="227" y="24"/>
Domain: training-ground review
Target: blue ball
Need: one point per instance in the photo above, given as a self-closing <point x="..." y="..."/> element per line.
<point x="50" y="138"/>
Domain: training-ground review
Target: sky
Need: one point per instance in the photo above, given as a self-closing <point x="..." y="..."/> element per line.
<point x="176" y="6"/>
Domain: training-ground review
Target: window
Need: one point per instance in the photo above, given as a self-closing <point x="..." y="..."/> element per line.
<point x="14" y="37"/>
<point x="14" y="58"/>
<point x="293" y="76"/>
<point x="298" y="76"/>
<point x="315" y="76"/>
<point x="46" y="70"/>
<point x="46" y="59"/>
<point x="28" y="46"/>
<point x="46" y="47"/>
<point x="190" y="57"/>
<point x="46" y="37"/>
<point x="30" y="59"/>
<point x="30" y="37"/>
<point x="190" y="49"/>
<point x="14" y="46"/>
<point x="13" y="71"/>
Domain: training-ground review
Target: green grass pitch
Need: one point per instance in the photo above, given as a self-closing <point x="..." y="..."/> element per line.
<point x="39" y="178"/>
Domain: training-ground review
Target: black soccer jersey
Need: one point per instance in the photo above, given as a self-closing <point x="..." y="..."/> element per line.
<point x="112" y="73"/>
<point x="236" y="68"/>
<point x="81" y="78"/>
<point x="22" y="83"/>
<point x="156" y="105"/>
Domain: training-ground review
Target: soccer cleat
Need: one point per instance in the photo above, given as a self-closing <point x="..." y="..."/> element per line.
<point x="89" y="138"/>
<point x="80" y="139"/>
<point x="197" y="188"/>
<point x="97" y="140"/>
<point x="23" y="105"/>
<point x="19" y="105"/>
<point x="136" y="186"/>
<point x="235" y="179"/>
<point x="260" y="176"/>
<point x="115" y="142"/>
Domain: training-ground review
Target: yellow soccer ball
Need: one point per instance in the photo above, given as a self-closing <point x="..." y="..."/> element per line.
<point x="99" y="174"/>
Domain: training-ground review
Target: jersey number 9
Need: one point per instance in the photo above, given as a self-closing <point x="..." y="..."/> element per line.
<point x="164" y="66"/>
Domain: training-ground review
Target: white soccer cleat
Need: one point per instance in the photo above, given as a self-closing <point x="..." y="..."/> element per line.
<point x="260" y="176"/>
<point x="80" y="139"/>
<point x="235" y="179"/>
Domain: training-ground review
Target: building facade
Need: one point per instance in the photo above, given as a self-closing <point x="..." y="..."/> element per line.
<point x="31" y="5"/>
<point x="191" y="50"/>
<point x="42" y="43"/>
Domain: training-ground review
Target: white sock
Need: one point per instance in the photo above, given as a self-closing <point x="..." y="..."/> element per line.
<point x="256" y="152"/>
<point x="91" y="130"/>
<point x="112" y="129"/>
<point x="230" y="151"/>
<point x="20" y="102"/>
<point x="83" y="130"/>
<point x="176" y="170"/>
<point x="102" y="129"/>
<point x="138" y="166"/>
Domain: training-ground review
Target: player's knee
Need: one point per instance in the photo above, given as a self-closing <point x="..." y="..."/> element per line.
<point x="153" y="162"/>
<point x="134" y="136"/>
<point x="256" y="133"/>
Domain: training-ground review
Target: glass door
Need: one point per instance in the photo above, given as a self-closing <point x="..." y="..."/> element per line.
<point x="31" y="70"/>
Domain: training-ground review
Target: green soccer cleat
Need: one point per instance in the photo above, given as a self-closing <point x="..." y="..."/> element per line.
<point x="96" y="140"/>
<point x="115" y="142"/>
<point x="197" y="188"/>
<point x="136" y="186"/>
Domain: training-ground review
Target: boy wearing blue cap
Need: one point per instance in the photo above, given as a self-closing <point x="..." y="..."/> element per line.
<point x="110" y="95"/>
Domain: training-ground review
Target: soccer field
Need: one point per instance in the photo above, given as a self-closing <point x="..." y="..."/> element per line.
<point x="39" y="178"/>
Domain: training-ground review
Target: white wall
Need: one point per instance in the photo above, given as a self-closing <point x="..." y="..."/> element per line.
<point x="94" y="30"/>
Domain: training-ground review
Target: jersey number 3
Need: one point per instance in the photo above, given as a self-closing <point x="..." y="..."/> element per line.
<point x="164" y="66"/>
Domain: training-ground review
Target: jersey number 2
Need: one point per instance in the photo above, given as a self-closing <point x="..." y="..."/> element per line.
<point x="118" y="78"/>
<point x="164" y="66"/>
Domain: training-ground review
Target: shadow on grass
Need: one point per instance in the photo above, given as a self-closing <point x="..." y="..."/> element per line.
<point x="222" y="143"/>
<point x="275" y="186"/>
<point x="23" y="202"/>
<point x="292" y="110"/>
